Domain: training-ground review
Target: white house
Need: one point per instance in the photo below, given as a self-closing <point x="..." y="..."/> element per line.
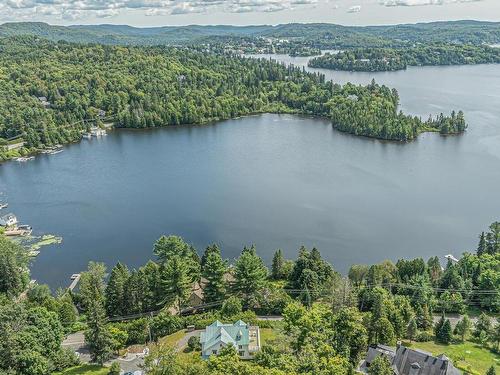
<point x="245" y="338"/>
<point x="8" y="220"/>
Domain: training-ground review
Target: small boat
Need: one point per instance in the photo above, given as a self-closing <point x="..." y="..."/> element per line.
<point x="54" y="152"/>
<point x="87" y="136"/>
<point x="24" y="159"/>
<point x="33" y="253"/>
<point x="3" y="205"/>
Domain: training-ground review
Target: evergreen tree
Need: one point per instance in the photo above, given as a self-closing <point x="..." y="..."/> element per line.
<point x="482" y="246"/>
<point x="412" y="329"/>
<point x="277" y="265"/>
<point x="213" y="271"/>
<point x="250" y="274"/>
<point x="97" y="336"/>
<point x="176" y="283"/>
<point x="446" y="334"/>
<point x="115" y="289"/>
<point x="493" y="239"/>
<point x="482" y="326"/>
<point x="14" y="275"/>
<point x="463" y="327"/>
<point x="491" y="371"/>
<point x="434" y="269"/>
<point x="214" y="248"/>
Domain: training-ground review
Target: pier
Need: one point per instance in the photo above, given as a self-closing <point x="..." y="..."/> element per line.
<point x="75" y="278"/>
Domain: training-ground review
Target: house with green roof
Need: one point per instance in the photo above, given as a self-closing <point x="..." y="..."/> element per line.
<point x="245" y="338"/>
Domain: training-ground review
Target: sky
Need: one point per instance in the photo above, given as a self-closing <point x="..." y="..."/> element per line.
<point x="245" y="12"/>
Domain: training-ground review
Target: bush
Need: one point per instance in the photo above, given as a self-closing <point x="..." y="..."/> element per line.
<point x="165" y="324"/>
<point x="194" y="343"/>
<point x="424" y="337"/>
<point x="137" y="331"/>
<point x="114" y="369"/>
<point x="231" y="306"/>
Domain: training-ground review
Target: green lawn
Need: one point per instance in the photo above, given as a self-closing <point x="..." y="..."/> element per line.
<point x="467" y="356"/>
<point x="174" y="338"/>
<point x="267" y="334"/>
<point x="85" y="369"/>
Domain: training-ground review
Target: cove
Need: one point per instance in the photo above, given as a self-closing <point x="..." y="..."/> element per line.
<point x="273" y="180"/>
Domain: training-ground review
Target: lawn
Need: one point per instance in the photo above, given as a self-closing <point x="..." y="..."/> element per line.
<point x="467" y="356"/>
<point x="174" y="338"/>
<point x="267" y="334"/>
<point x="85" y="369"/>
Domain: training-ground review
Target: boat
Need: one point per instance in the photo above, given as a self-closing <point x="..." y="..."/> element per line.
<point x="3" y="205"/>
<point x="33" y="253"/>
<point x="87" y="136"/>
<point x="24" y="159"/>
<point x="54" y="152"/>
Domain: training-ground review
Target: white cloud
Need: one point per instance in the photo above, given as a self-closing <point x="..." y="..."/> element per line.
<point x="76" y="9"/>
<point x="393" y="3"/>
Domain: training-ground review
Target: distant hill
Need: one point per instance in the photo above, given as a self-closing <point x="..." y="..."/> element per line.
<point x="474" y="32"/>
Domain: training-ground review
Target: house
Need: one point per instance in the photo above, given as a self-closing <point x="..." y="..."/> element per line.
<point x="407" y="361"/>
<point x="245" y="338"/>
<point x="43" y="100"/>
<point x="8" y="220"/>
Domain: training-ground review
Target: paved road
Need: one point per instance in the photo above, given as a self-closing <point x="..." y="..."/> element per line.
<point x="182" y="343"/>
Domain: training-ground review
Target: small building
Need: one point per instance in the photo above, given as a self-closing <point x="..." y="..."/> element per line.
<point x="43" y="100"/>
<point x="245" y="338"/>
<point x="8" y="220"/>
<point x="408" y="361"/>
<point x="101" y="113"/>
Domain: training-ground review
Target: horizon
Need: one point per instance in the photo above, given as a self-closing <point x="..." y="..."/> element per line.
<point x="249" y="25"/>
<point x="144" y="13"/>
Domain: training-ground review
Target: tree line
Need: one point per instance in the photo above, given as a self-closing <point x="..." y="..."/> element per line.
<point x="143" y="87"/>
<point x="328" y="319"/>
<point x="392" y="59"/>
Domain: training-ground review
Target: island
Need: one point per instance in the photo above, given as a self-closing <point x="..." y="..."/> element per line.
<point x="392" y="59"/>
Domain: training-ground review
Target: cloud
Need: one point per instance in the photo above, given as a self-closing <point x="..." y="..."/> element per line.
<point x="409" y="3"/>
<point x="77" y="9"/>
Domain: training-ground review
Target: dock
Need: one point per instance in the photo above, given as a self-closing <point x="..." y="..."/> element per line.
<point x="75" y="278"/>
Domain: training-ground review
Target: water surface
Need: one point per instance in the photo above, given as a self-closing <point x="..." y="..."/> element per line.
<point x="273" y="180"/>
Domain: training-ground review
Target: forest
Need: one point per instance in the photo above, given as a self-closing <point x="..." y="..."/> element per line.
<point x="391" y="59"/>
<point x="52" y="92"/>
<point x="328" y="320"/>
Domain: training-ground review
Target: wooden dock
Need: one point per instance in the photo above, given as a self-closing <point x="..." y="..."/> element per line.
<point x="75" y="278"/>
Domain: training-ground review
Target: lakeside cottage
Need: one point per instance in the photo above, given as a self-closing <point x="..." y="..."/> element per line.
<point x="8" y="220"/>
<point x="245" y="338"/>
<point x="408" y="361"/>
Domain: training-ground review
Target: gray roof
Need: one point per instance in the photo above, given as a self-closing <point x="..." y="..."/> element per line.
<point x="407" y="361"/>
<point x="236" y="334"/>
<point x="418" y="362"/>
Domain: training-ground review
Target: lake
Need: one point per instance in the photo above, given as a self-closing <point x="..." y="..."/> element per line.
<point x="278" y="181"/>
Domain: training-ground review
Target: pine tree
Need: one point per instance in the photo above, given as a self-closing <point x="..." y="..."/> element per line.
<point x="277" y="265"/>
<point x="176" y="284"/>
<point x="412" y="330"/>
<point x="214" y="248"/>
<point x="439" y="326"/>
<point x="214" y="270"/>
<point x="250" y="274"/>
<point x="463" y="327"/>
<point x="481" y="247"/>
<point x="491" y="371"/>
<point x="115" y="290"/>
<point x="446" y="334"/>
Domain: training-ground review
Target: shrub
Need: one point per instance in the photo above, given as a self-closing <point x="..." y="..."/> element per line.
<point x="114" y="369"/>
<point x="194" y="343"/>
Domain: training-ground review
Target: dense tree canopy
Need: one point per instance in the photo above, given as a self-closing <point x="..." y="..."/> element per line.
<point x="143" y="87"/>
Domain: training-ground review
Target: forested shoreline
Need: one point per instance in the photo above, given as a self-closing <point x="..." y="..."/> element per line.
<point x="144" y="87"/>
<point x="393" y="59"/>
<point x="328" y="320"/>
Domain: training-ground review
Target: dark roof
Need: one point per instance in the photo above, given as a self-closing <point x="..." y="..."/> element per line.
<point x="407" y="359"/>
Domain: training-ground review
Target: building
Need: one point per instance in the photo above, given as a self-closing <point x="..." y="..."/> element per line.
<point x="43" y="100"/>
<point x="8" y="220"/>
<point x="13" y="146"/>
<point x="407" y="361"/>
<point x="245" y="338"/>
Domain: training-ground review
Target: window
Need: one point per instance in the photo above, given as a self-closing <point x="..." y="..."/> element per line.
<point x="240" y="347"/>
<point x="214" y="351"/>
<point x="242" y="353"/>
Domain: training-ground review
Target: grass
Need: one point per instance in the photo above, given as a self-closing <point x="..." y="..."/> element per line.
<point x="267" y="334"/>
<point x="174" y="338"/>
<point x="85" y="369"/>
<point x="467" y="356"/>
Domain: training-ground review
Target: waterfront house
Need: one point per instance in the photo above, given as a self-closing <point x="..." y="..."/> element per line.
<point x="245" y="338"/>
<point x="408" y="361"/>
<point x="8" y="220"/>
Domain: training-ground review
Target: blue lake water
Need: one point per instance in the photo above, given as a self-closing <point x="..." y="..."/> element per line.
<point x="278" y="181"/>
